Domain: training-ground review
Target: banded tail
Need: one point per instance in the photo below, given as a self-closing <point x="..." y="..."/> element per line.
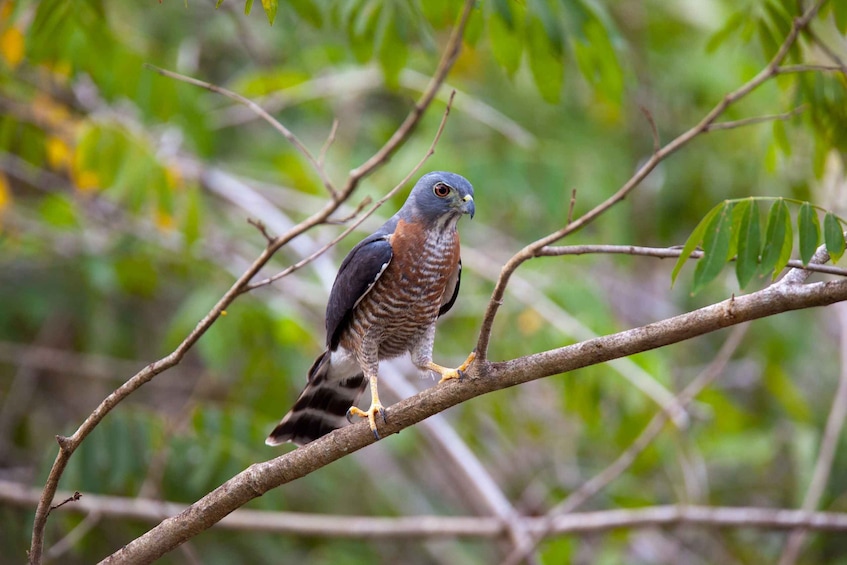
<point x="322" y="406"/>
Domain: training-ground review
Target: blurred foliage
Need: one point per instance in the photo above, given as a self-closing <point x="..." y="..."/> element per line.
<point x="123" y="200"/>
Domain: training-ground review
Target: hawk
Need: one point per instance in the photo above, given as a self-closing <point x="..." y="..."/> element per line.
<point x="388" y="293"/>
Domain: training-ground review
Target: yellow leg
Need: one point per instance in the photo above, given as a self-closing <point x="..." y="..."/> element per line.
<point x="457" y="373"/>
<point x="370" y="413"/>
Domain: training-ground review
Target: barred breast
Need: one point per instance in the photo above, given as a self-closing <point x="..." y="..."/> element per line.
<point x="406" y="299"/>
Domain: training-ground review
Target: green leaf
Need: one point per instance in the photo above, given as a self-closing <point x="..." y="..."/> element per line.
<point x="749" y="243"/>
<point x="810" y="232"/>
<point x="218" y="3"/>
<point x="716" y="243"/>
<point x="270" y="7"/>
<point x="502" y="8"/>
<point x="392" y="49"/>
<point x="778" y="239"/>
<point x="308" y="11"/>
<point x="506" y="43"/>
<point x="694" y="240"/>
<point x="781" y="137"/>
<point x="840" y="11"/>
<point x="545" y="62"/>
<point x="833" y="234"/>
<point x="248" y="6"/>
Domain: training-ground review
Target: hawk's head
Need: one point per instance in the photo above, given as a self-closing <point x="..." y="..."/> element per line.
<point x="440" y="198"/>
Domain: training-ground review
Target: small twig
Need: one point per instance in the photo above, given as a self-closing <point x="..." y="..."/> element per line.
<point x="328" y="143"/>
<point x="73" y="498"/>
<point x="259" y="225"/>
<point x="666" y="253"/>
<point x="755" y="120"/>
<point x="571" y="207"/>
<point x="788" y="69"/>
<point x="286" y="133"/>
<point x="344" y="219"/>
<point x="833" y="56"/>
<point x="657" y="143"/>
<point x="306" y="260"/>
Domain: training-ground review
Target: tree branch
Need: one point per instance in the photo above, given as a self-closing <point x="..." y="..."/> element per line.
<point x="680" y="141"/>
<point x="667" y="253"/>
<point x="485" y="377"/>
<point x="69" y="444"/>
<point x="369" y="527"/>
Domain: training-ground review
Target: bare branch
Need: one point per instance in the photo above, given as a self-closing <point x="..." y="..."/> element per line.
<point x="72" y="498"/>
<point x="329" y="141"/>
<point x="446" y="526"/>
<point x="454" y="45"/>
<point x="485" y="377"/>
<point x="259" y="111"/>
<point x="259" y="225"/>
<point x="669" y="253"/>
<point x="306" y="260"/>
<point x="680" y="141"/>
<point x="756" y="120"/>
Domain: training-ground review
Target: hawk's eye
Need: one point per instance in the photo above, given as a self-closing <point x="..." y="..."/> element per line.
<point x="441" y="190"/>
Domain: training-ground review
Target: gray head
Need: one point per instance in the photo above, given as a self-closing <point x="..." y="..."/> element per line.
<point x="439" y="198"/>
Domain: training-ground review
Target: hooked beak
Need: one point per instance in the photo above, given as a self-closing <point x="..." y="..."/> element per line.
<point x="468" y="205"/>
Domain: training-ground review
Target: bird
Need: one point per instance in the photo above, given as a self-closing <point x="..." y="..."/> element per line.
<point x="388" y="293"/>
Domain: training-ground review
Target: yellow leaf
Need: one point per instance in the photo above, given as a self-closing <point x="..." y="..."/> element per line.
<point x="12" y="46"/>
<point x="173" y="176"/>
<point x="5" y="193"/>
<point x="58" y="152"/>
<point x="164" y="220"/>
<point x="529" y="322"/>
<point x="86" y="181"/>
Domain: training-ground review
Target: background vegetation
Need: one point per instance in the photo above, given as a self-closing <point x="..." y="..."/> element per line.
<point x="124" y="197"/>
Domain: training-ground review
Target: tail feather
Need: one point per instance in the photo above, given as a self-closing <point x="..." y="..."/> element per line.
<point x="322" y="406"/>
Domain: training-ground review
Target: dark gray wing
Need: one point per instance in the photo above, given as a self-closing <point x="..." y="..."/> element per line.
<point x="358" y="272"/>
<point x="450" y="296"/>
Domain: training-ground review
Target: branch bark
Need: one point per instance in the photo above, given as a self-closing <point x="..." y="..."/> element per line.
<point x="485" y="377"/>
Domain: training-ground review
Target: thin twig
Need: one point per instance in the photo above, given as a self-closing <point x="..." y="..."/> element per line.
<point x="344" y="219"/>
<point x="259" y="111"/>
<point x="788" y="69"/>
<point x="571" y="207"/>
<point x="677" y="143"/>
<point x="259" y="225"/>
<point x="454" y="45"/>
<point x="756" y="120"/>
<point x="306" y="260"/>
<point x="657" y="142"/>
<point x="369" y="527"/>
<point x="328" y="143"/>
<point x="72" y="498"/>
<point x="666" y="253"/>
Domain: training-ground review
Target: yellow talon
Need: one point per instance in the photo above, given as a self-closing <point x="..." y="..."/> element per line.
<point x="457" y="373"/>
<point x="370" y="414"/>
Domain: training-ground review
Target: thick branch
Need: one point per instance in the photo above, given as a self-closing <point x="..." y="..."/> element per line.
<point x="486" y="377"/>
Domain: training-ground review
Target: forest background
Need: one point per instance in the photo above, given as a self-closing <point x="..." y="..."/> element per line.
<point x="132" y="201"/>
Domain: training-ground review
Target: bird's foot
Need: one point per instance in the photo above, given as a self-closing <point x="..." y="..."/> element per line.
<point x="457" y="373"/>
<point x="370" y="414"/>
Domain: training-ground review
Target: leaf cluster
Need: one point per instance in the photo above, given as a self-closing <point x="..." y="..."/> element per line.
<point x="732" y="231"/>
